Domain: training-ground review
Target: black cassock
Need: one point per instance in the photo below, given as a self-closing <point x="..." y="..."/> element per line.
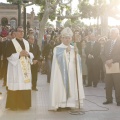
<point x="18" y="99"/>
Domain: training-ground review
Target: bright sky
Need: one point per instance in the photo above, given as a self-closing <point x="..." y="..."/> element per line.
<point x="111" y="21"/>
<point x="29" y="8"/>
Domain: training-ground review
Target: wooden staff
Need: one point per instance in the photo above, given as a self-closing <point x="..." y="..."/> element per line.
<point x="75" y="51"/>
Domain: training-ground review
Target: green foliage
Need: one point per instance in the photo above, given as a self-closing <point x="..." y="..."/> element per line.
<point x="52" y="17"/>
<point x="85" y="9"/>
<point x="40" y="15"/>
<point x="14" y="1"/>
<point x="40" y="2"/>
<point x="10" y="1"/>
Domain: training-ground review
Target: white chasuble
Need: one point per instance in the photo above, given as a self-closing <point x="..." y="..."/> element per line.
<point x="63" y="84"/>
<point x="19" y="71"/>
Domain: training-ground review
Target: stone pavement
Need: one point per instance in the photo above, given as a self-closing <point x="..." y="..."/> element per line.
<point x="94" y="110"/>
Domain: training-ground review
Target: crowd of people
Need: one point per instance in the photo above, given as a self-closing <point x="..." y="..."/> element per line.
<point x="97" y="58"/>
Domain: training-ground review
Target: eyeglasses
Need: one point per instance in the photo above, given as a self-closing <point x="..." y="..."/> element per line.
<point x="66" y="37"/>
<point x="20" y="31"/>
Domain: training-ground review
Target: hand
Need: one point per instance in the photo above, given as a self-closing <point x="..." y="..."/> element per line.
<point x="90" y="56"/>
<point x="68" y="49"/>
<point x="24" y="53"/>
<point x="35" y="61"/>
<point x="109" y="63"/>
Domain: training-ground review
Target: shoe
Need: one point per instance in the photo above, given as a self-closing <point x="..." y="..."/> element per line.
<point x="35" y="89"/>
<point x="88" y="85"/>
<point x="107" y="102"/>
<point x="118" y="104"/>
<point x="13" y="109"/>
<point x="94" y="85"/>
<point x="25" y="108"/>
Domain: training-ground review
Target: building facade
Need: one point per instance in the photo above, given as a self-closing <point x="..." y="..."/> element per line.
<point x="9" y="16"/>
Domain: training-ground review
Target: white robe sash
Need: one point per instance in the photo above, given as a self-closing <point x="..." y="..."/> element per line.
<point x="24" y="61"/>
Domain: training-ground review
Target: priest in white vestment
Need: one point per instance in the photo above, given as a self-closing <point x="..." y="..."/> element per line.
<point x="19" y="72"/>
<point x="63" y="85"/>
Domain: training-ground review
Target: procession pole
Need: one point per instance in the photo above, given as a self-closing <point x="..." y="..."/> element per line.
<point x="76" y="112"/>
<point x="75" y="47"/>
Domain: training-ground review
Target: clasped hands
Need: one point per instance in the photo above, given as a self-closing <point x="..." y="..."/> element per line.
<point x="24" y="53"/>
<point x="68" y="49"/>
<point x="90" y="56"/>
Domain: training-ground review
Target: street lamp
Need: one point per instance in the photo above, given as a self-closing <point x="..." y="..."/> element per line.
<point x="24" y="15"/>
<point x="19" y="12"/>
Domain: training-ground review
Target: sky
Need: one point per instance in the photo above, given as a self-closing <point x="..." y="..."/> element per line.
<point x="111" y="21"/>
<point x="28" y="9"/>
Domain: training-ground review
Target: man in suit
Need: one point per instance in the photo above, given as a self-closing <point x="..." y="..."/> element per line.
<point x="112" y="55"/>
<point x="34" y="48"/>
<point x="10" y="36"/>
<point x="47" y="53"/>
<point x="92" y="52"/>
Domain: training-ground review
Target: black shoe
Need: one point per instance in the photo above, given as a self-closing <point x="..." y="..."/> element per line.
<point x="118" y="104"/>
<point x="94" y="85"/>
<point x="107" y="102"/>
<point x="13" y="109"/>
<point x="35" y="89"/>
<point x="88" y="85"/>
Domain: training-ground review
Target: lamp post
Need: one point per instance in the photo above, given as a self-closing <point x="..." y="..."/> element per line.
<point x="19" y="13"/>
<point x="24" y="17"/>
<point x="24" y="20"/>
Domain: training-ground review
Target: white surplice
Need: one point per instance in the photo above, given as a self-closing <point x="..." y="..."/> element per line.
<point x="57" y="92"/>
<point x="15" y="77"/>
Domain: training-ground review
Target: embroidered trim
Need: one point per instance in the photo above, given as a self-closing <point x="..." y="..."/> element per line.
<point x="24" y="61"/>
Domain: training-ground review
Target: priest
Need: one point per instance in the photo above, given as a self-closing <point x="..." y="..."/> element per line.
<point x="19" y="72"/>
<point x="64" y="90"/>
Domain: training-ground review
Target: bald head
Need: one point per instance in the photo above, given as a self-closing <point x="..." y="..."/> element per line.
<point x="115" y="30"/>
<point x="114" y="33"/>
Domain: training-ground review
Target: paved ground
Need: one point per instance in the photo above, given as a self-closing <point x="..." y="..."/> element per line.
<point x="94" y="110"/>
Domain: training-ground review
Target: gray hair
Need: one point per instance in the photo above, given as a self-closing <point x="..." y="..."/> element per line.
<point x="115" y="30"/>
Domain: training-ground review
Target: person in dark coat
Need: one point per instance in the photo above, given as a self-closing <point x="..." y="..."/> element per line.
<point x="18" y="72"/>
<point x="110" y="58"/>
<point x="92" y="51"/>
<point x="47" y="53"/>
<point x="34" y="48"/>
<point x="5" y="61"/>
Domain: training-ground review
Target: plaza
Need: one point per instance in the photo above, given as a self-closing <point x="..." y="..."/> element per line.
<point x="93" y="107"/>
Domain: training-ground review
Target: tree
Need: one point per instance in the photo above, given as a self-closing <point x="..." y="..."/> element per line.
<point x="100" y="9"/>
<point x="50" y="9"/>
